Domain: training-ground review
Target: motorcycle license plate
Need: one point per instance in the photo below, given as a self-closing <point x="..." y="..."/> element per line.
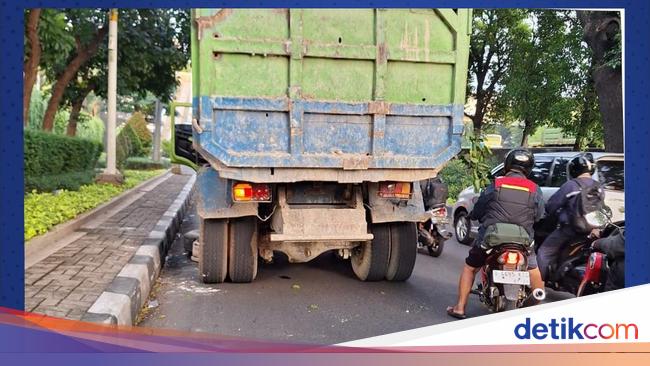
<point x="511" y="277"/>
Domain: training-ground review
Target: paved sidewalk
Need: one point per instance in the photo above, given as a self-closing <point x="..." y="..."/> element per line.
<point x="67" y="283"/>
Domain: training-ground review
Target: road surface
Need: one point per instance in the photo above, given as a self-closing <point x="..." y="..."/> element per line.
<point x="317" y="302"/>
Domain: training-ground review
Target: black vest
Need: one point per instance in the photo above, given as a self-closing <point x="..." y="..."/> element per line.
<point x="513" y="201"/>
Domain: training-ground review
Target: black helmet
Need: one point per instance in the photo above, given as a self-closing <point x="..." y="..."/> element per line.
<point x="520" y="159"/>
<point x="580" y="164"/>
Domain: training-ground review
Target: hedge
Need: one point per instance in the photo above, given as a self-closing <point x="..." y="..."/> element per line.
<point x="45" y="210"/>
<point x="142" y="163"/>
<point x="58" y="162"/>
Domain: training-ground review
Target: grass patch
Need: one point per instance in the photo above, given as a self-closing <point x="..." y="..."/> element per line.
<point x="45" y="210"/>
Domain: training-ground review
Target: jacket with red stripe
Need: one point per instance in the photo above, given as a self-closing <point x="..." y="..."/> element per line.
<point x="511" y="199"/>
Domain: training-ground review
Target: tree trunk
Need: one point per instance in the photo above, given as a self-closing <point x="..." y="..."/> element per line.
<point x="71" y="130"/>
<point x="527" y="131"/>
<point x="75" y="110"/>
<point x="69" y="72"/>
<point x="599" y="30"/>
<point x="30" y="67"/>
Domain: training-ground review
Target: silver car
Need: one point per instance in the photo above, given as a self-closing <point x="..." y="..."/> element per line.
<point x="550" y="172"/>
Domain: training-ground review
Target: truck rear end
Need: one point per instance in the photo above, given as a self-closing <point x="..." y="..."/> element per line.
<point x="310" y="127"/>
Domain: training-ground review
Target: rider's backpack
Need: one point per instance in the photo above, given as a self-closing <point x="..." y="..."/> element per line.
<point x="589" y="199"/>
<point x="434" y="192"/>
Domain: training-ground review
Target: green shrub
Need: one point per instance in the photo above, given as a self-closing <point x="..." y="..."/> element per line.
<point x="167" y="148"/>
<point x="139" y="125"/>
<point x="142" y="163"/>
<point x="69" y="181"/>
<point x="61" y="119"/>
<point x="456" y="174"/>
<point x="127" y="145"/>
<point x="44" y="210"/>
<point x="54" y="162"/>
<point x="37" y="107"/>
<point x="90" y="127"/>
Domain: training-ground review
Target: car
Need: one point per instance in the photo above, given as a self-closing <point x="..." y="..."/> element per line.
<point x="550" y="172"/>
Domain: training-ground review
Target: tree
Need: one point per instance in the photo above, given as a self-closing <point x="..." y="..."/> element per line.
<point x="32" y="58"/>
<point x="494" y="35"/>
<point x="152" y="45"/>
<point x="602" y="32"/>
<point x="546" y="74"/>
<point x="47" y="42"/>
<point x="89" y="27"/>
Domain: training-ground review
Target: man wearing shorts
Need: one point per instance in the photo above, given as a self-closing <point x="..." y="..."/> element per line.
<point x="511" y="199"/>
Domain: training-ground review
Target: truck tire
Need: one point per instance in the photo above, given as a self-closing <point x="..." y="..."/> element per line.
<point x="403" y="250"/>
<point x="213" y="259"/>
<point x="370" y="260"/>
<point x="242" y="261"/>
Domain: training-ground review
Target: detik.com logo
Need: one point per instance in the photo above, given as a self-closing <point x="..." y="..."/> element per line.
<point x="568" y="328"/>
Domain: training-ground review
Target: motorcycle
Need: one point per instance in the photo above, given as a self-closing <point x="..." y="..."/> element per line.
<point x="433" y="233"/>
<point x="580" y="270"/>
<point x="504" y="279"/>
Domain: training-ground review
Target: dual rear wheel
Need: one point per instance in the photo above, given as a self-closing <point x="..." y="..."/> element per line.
<point x="228" y="250"/>
<point x="390" y="255"/>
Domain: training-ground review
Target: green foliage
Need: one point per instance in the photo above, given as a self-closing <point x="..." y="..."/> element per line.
<point x="538" y="86"/>
<point x="37" y="106"/>
<point x="128" y="144"/>
<point x="44" y="210"/>
<point x="54" y="35"/>
<point x="614" y="55"/>
<point x="139" y="126"/>
<point x="90" y="127"/>
<point x="167" y="148"/>
<point x="456" y="175"/>
<point x="477" y="160"/>
<point x="493" y="44"/>
<point x="145" y="163"/>
<point x="61" y="122"/>
<point x="53" y="162"/>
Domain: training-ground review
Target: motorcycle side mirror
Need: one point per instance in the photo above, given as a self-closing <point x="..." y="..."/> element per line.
<point x="607" y="211"/>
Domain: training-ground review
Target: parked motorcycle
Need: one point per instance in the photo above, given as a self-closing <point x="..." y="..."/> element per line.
<point x="433" y="233"/>
<point x="504" y="279"/>
<point x="579" y="269"/>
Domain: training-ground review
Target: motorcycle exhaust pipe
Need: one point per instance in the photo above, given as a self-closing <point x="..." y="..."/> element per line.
<point x="539" y="294"/>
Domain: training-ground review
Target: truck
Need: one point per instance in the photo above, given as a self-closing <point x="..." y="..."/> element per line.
<point x="310" y="127"/>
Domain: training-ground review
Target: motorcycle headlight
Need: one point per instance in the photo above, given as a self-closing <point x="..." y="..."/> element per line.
<point x="596" y="219"/>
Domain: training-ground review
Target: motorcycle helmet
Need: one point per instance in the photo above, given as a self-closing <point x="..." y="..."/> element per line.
<point x="580" y="164"/>
<point x="519" y="159"/>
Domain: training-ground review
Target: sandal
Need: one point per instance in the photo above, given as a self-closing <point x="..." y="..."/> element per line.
<point x="452" y="313"/>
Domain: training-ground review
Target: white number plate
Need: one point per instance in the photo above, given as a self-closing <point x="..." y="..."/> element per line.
<point x="511" y="277"/>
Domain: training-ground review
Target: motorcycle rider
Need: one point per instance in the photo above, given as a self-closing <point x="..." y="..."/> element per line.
<point x="498" y="203"/>
<point x="561" y="205"/>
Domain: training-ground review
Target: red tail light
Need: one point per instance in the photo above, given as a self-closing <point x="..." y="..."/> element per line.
<point x="440" y="212"/>
<point x="509" y="258"/>
<point x="242" y="192"/>
<point x="401" y="190"/>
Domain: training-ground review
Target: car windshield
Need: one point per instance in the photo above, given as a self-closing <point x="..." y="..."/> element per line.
<point x="611" y="174"/>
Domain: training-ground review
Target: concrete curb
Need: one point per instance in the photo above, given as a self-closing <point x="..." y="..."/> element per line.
<point x="39" y="247"/>
<point x="122" y="300"/>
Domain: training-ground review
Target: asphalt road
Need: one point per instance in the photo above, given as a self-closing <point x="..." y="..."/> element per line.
<point x="317" y="302"/>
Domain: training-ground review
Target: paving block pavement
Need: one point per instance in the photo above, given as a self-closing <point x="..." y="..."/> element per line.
<point x="69" y="281"/>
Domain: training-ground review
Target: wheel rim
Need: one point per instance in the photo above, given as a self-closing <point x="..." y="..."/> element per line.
<point x="461" y="228"/>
